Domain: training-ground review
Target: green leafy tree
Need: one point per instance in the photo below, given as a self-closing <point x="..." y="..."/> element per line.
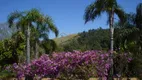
<point x="11" y="49"/>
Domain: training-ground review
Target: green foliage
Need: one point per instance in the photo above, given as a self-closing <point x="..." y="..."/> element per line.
<point x="128" y="37"/>
<point x="11" y="49"/>
<point x="95" y="9"/>
<point x="48" y="45"/>
<point x="121" y="64"/>
<point x="93" y="39"/>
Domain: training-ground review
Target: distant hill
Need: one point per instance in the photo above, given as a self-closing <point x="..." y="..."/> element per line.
<point x="5" y="31"/>
<point x="65" y="39"/>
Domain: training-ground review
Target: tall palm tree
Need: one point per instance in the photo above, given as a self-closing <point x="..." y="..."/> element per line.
<point x="24" y="22"/>
<point x="110" y="7"/>
<point x="42" y="30"/>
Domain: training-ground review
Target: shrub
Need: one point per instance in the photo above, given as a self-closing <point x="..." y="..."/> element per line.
<point x="67" y="65"/>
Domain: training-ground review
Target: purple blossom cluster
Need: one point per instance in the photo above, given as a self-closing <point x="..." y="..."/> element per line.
<point x="52" y="66"/>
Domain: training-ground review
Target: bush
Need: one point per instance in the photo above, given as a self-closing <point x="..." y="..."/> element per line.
<point x="67" y="65"/>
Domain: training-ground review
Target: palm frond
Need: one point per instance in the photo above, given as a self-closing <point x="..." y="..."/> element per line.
<point x="22" y="24"/>
<point x="51" y="25"/>
<point x="120" y="13"/>
<point x="33" y="15"/>
<point x="54" y="45"/>
<point x="138" y="20"/>
<point x="94" y="10"/>
<point x="44" y="36"/>
<point x="13" y="16"/>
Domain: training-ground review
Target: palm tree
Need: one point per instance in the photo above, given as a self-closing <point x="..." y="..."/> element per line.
<point x="110" y="7"/>
<point x="24" y="21"/>
<point x="131" y="27"/>
<point x="41" y="31"/>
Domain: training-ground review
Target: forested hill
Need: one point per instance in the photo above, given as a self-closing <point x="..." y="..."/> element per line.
<point x="89" y="40"/>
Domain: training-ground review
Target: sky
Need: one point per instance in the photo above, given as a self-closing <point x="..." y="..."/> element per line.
<point x="66" y="14"/>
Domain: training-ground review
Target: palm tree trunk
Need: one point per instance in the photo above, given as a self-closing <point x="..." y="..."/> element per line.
<point x="28" y="52"/>
<point x="111" y="37"/>
<point x="36" y="50"/>
<point x="111" y="72"/>
<point x="28" y="46"/>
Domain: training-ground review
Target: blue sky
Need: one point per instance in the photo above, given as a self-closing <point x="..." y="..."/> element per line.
<point x="67" y="14"/>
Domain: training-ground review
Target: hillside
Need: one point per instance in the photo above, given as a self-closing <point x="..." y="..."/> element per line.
<point x="65" y="39"/>
<point x="94" y="39"/>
